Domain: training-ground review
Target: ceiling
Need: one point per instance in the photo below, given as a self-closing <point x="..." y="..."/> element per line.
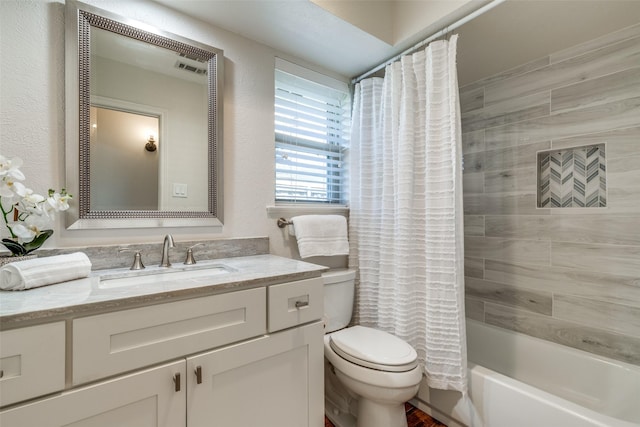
<point x="512" y="33"/>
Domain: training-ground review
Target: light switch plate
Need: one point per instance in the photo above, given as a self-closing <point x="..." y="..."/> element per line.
<point x="179" y="190"/>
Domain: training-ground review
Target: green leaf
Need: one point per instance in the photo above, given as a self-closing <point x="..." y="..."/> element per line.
<point x="16" y="248"/>
<point x="38" y="241"/>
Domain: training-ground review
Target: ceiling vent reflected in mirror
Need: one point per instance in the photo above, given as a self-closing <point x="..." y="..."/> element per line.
<point x="186" y="67"/>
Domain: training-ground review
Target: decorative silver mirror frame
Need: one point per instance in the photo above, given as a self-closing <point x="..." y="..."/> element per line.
<point x="79" y="20"/>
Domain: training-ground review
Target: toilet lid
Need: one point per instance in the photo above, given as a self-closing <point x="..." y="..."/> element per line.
<point x="374" y="349"/>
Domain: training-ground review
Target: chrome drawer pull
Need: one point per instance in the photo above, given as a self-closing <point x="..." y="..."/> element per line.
<point x="300" y="304"/>
<point x="176" y="381"/>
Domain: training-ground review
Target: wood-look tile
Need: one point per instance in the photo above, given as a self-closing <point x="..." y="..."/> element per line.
<point x="598" y="314"/>
<point x="473" y="142"/>
<point x="623" y="200"/>
<point x="471" y="99"/>
<point x="598" y="118"/>
<point x="472" y="162"/>
<point x="526" y="299"/>
<point x="600" y="42"/>
<point x="516" y="203"/>
<point x="474" y="225"/>
<point x="474" y="309"/>
<point x="624" y="172"/>
<point x="601" y="229"/>
<point x="521" y="156"/>
<point x="523" y="179"/>
<point x="473" y="182"/>
<point x="619" y="142"/>
<point x="605" y="343"/>
<point x="596" y="63"/>
<point x="491" y="248"/>
<point x="613" y="259"/>
<point x="610" y="88"/>
<point x="474" y="267"/>
<point x="528" y="227"/>
<point x="615" y="288"/>
<point x="508" y="111"/>
<point x="512" y="72"/>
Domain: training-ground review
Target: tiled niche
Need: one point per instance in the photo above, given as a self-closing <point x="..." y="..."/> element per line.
<point x="572" y="177"/>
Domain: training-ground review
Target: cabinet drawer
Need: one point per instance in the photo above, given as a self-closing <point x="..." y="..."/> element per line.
<point x="295" y="303"/>
<point x="111" y="343"/>
<point x="31" y="362"/>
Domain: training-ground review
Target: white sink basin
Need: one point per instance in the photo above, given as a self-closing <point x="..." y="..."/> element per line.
<point x="160" y="274"/>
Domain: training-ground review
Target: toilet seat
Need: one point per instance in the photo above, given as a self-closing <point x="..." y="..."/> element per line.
<point x="373" y="349"/>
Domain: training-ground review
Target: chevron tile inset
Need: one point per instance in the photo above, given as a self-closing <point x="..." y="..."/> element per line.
<point x="573" y="177"/>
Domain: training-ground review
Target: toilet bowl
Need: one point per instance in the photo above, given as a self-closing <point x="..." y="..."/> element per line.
<point x="376" y="371"/>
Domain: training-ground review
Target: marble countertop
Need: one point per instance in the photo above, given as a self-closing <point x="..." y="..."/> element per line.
<point x="89" y="296"/>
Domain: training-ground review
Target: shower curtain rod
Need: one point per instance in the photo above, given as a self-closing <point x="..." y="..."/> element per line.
<point x="432" y="37"/>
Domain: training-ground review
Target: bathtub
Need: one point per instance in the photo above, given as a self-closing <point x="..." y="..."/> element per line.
<point x="519" y="381"/>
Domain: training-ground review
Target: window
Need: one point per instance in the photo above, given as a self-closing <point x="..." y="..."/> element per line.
<point x="311" y="134"/>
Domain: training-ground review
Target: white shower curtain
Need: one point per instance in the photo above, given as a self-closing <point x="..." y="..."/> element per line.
<point x="406" y="209"/>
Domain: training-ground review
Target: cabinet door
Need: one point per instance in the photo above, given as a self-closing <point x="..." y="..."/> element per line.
<point x="143" y="399"/>
<point x="273" y="381"/>
<point x="31" y="362"/>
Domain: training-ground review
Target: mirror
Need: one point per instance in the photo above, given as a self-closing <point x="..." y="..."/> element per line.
<point x="144" y="125"/>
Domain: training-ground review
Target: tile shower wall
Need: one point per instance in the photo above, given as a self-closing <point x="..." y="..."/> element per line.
<point x="569" y="275"/>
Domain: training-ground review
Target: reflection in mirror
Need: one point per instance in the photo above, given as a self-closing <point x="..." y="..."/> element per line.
<point x="147" y="129"/>
<point x="119" y="143"/>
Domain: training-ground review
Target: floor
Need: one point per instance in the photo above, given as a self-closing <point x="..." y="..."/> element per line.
<point x="415" y="418"/>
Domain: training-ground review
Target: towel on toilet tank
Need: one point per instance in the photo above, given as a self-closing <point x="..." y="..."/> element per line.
<point x="33" y="273"/>
<point x="321" y="235"/>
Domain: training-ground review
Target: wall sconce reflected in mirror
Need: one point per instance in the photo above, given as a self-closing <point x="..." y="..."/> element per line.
<point x="151" y="144"/>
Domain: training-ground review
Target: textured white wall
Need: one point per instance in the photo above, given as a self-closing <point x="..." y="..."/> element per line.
<point x="32" y="115"/>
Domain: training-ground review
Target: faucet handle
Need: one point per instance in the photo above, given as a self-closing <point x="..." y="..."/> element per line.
<point x="137" y="258"/>
<point x="189" y="260"/>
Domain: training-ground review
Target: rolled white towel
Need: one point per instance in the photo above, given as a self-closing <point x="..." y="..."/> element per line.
<point x="33" y="273"/>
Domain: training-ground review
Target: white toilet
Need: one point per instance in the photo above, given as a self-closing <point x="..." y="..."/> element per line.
<point x="369" y="374"/>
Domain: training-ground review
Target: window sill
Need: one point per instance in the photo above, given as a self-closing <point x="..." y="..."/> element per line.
<point x="287" y="211"/>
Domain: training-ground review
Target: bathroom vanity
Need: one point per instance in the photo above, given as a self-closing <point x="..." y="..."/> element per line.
<point x="243" y="347"/>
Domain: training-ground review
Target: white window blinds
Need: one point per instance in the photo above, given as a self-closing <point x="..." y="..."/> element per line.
<point x="311" y="134"/>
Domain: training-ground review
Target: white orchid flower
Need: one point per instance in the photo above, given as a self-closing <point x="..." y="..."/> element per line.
<point x="12" y="190"/>
<point x="28" y="216"/>
<point x="39" y="221"/>
<point x="31" y="205"/>
<point x="9" y="169"/>
<point x="31" y="199"/>
<point x="25" y="233"/>
<point x="58" y="201"/>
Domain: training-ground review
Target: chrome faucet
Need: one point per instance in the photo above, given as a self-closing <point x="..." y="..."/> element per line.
<point x="168" y="243"/>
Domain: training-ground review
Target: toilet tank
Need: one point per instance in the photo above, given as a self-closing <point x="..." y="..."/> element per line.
<point x="339" y="288"/>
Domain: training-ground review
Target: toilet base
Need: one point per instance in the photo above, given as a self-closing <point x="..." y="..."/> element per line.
<point x="337" y="417"/>
<point x="376" y="414"/>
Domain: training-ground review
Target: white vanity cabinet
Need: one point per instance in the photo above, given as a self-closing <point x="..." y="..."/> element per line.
<point x="110" y="343"/>
<point x="208" y="361"/>
<point x="31" y="362"/>
<point x="147" y="398"/>
<point x="271" y="381"/>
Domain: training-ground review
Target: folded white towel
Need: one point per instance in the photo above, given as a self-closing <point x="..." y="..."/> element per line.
<point x="21" y="275"/>
<point x="321" y="235"/>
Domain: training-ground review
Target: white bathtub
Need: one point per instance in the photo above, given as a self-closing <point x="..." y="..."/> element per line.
<point x="520" y="381"/>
